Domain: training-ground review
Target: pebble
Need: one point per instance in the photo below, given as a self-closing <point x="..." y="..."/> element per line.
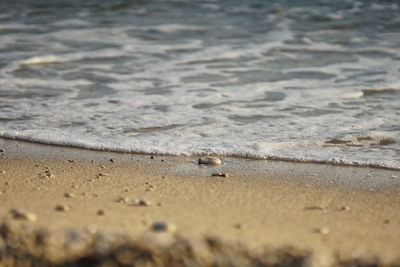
<point x="111" y="160"/>
<point x="344" y="208"/>
<point x="100" y="212"/>
<point x="143" y="202"/>
<point x="122" y="200"/>
<point x="2" y="171"/>
<point x="162" y="227"/>
<point x="393" y="176"/>
<point x="101" y="174"/>
<point x="219" y="174"/>
<point x="63" y="208"/>
<point x="23" y="215"/>
<point x="240" y="226"/>
<point x="68" y="195"/>
<point x="322" y="230"/>
<point x="209" y="161"/>
<point x="47" y="175"/>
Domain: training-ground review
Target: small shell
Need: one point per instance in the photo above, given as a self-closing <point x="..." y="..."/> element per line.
<point x="209" y="161"/>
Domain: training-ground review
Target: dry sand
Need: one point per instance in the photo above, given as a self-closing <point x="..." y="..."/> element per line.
<point x="330" y="215"/>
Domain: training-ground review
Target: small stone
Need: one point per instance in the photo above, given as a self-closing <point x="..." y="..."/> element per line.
<point x="143" y="202"/>
<point x="344" y="208"/>
<point x="386" y="221"/>
<point x="68" y="195"/>
<point x="111" y="160"/>
<point x="122" y="200"/>
<point x="70" y="160"/>
<point x="151" y="157"/>
<point x="23" y="215"/>
<point x="101" y="174"/>
<point x="219" y="174"/>
<point x="62" y="208"/>
<point x="162" y="227"/>
<point x="240" y="226"/>
<point x="209" y="161"/>
<point x="322" y="230"/>
<point x="100" y="212"/>
<point x="393" y="176"/>
<point x="2" y="171"/>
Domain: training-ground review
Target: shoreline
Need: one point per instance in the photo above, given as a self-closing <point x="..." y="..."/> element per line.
<point x="327" y="210"/>
<point x="269" y="158"/>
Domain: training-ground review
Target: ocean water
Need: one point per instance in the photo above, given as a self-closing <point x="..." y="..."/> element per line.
<point x="294" y="80"/>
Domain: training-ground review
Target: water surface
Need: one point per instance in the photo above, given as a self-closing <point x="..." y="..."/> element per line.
<point x="296" y="80"/>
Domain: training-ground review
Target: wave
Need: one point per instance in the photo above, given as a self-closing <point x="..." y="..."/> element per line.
<point x="300" y="152"/>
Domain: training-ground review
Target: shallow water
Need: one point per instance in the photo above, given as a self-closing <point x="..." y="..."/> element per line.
<point x="296" y="80"/>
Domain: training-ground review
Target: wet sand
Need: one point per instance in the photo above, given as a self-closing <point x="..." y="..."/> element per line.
<point x="328" y="215"/>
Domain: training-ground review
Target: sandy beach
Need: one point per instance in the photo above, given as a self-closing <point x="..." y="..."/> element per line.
<point x="299" y="214"/>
